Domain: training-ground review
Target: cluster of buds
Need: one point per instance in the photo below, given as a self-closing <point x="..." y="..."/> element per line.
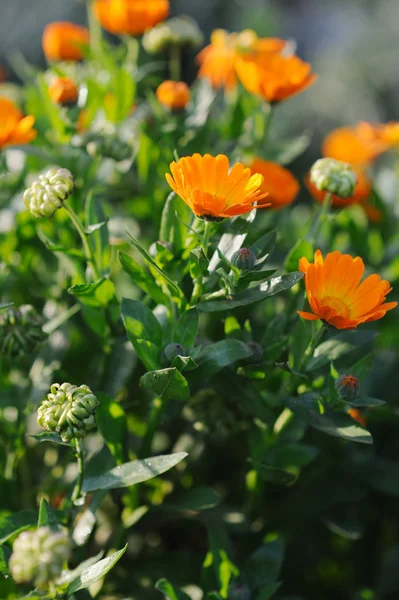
<point x="108" y="146"/>
<point x="20" y="331"/>
<point x="172" y="350"/>
<point x="178" y="31"/>
<point x="68" y="410"/>
<point x="244" y="259"/>
<point x="333" y="176"/>
<point x="39" y="556"/>
<point x="49" y="192"/>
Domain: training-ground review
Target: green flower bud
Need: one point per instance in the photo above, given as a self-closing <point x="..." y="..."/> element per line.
<point x="347" y="386"/>
<point x="20" y="331"/>
<point x="244" y="259"/>
<point x="49" y="192"/>
<point x="333" y="176"/>
<point x="172" y="350"/>
<point x="178" y="31"/>
<point x="38" y="556"/>
<point x="109" y="146"/>
<point x="68" y="410"/>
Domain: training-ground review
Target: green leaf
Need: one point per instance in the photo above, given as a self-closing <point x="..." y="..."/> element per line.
<point x="96" y="221"/>
<point x="184" y="363"/>
<point x="217" y="356"/>
<point x="174" y="289"/>
<point x="269" y="288"/>
<point x="329" y="351"/>
<point x="382" y="475"/>
<point x="361" y="369"/>
<point x="252" y="277"/>
<point x="167" y="383"/>
<point x="5" y="553"/>
<point x="268" y="591"/>
<point x="133" y="472"/>
<point x="198" y="263"/>
<point x="186" y="329"/>
<point x="111" y="421"/>
<point x="12" y="524"/>
<point x="363" y="401"/>
<point x="300" y="249"/>
<point x="171" y="593"/>
<point x="337" y="424"/>
<point x="143" y="331"/>
<point x="265" y="244"/>
<point x="69" y="576"/>
<point x="141" y="278"/>
<point x="200" y="498"/>
<point x="48" y="436"/>
<point x="99" y="293"/>
<point x="273" y="474"/>
<point x="287" y="150"/>
<point x="47" y="516"/>
<point x="94" y="573"/>
<point x="264" y="565"/>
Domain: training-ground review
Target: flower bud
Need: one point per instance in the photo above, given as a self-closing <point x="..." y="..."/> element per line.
<point x="38" y="556"/>
<point x="244" y="259"/>
<point x="333" y="176"/>
<point x="178" y="31"/>
<point x="174" y="95"/>
<point x="63" y="90"/>
<point x="347" y="387"/>
<point x="20" y="331"/>
<point x="68" y="410"/>
<point x="172" y="350"/>
<point x="48" y="192"/>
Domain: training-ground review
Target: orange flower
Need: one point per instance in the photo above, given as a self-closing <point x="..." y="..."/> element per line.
<point x="362" y="191"/>
<point x="336" y="295"/>
<point x="217" y="60"/>
<point x="357" y="416"/>
<point x="390" y="133"/>
<point x="63" y="90"/>
<point x="272" y="76"/>
<point x="352" y="145"/>
<point x="130" y="17"/>
<point x="64" y="41"/>
<point x="280" y="185"/>
<point x="173" y="94"/>
<point x="14" y="127"/>
<point x="211" y="189"/>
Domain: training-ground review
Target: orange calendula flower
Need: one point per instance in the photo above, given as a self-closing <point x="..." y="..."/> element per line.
<point x="130" y="17"/>
<point x="64" y="41"/>
<point x="279" y="183"/>
<point x="357" y="416"/>
<point x="217" y="60"/>
<point x="362" y="191"/>
<point x="272" y="76"/>
<point x="173" y="94"/>
<point x="15" y="128"/>
<point x="336" y="295"/>
<point x="212" y="190"/>
<point x="63" y="90"/>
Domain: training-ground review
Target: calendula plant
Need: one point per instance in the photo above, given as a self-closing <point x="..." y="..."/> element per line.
<point x="195" y="357"/>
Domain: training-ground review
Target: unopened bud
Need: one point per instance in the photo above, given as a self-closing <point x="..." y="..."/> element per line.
<point x="333" y="176"/>
<point x="38" y="556"/>
<point x="49" y="192"/>
<point x="244" y="259"/>
<point x="20" y="331"/>
<point x="68" y="410"/>
<point x="172" y="350"/>
<point x="347" y="386"/>
<point x="178" y="31"/>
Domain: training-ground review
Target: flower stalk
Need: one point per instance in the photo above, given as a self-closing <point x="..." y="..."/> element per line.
<point x="80" y="455"/>
<point x="83" y="236"/>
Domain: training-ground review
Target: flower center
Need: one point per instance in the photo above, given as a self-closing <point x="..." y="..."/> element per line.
<point x="337" y="304"/>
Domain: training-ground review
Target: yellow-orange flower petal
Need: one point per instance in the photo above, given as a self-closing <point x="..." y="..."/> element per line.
<point x="211" y="189"/>
<point x="63" y="90"/>
<point x="173" y="94"/>
<point x="272" y="76"/>
<point x="130" y="17"/>
<point x="362" y="191"/>
<point x="357" y="416"/>
<point x="15" y="128"/>
<point x="217" y="60"/>
<point x="64" y="41"/>
<point x="337" y="297"/>
<point x="279" y="183"/>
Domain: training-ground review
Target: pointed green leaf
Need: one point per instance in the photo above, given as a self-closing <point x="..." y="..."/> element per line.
<point x="12" y="524"/>
<point x="171" y="593"/>
<point x="48" y="436"/>
<point x="168" y="384"/>
<point x="133" y="472"/>
<point x="5" y="553"/>
<point x="111" y="421"/>
<point x="220" y="355"/>
<point x="186" y="329"/>
<point x="141" y="278"/>
<point x="94" y="573"/>
<point x="47" y="516"/>
<point x="95" y="294"/>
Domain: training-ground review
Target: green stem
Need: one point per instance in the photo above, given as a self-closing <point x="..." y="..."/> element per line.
<point x="87" y="248"/>
<point x="158" y="405"/>
<point x="263" y="119"/>
<point x="94" y="29"/>
<point x="198" y="283"/>
<point x="320" y="219"/>
<point x="175" y="63"/>
<point x="314" y="342"/>
<point x="206" y="237"/>
<point x="80" y="454"/>
<point x="52" y="325"/>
